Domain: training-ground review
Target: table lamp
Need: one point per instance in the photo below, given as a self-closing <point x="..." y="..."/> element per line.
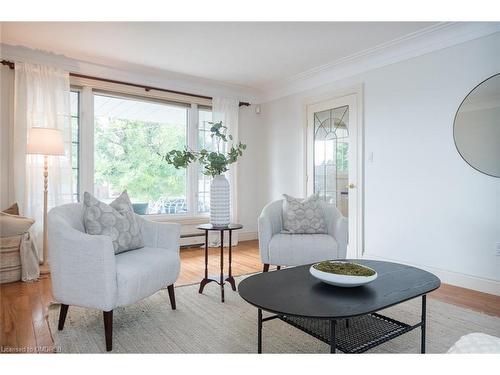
<point x="46" y="142"/>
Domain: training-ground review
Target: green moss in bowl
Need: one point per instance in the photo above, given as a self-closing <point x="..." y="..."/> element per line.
<point x="342" y="268"/>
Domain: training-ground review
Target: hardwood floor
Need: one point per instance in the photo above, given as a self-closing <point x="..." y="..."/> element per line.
<point x="246" y="259"/>
<point x="23" y="306"/>
<point x="23" y="326"/>
<point x="470" y="299"/>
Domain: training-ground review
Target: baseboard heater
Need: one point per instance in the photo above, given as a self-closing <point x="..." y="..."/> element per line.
<point x="192" y="239"/>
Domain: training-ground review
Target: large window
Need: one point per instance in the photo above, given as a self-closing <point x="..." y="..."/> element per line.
<point x="130" y="137"/>
<point x="123" y="148"/>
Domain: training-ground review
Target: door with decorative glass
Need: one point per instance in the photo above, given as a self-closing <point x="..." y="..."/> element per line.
<point x="332" y="163"/>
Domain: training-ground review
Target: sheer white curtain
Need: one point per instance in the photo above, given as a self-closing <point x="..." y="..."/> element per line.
<point x="226" y="110"/>
<point x="42" y="99"/>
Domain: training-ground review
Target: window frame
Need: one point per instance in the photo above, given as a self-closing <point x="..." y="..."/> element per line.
<point x="78" y="193"/>
<point x="87" y="88"/>
<point x="199" y="168"/>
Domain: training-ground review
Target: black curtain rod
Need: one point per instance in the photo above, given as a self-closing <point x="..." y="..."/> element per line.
<point x="11" y="65"/>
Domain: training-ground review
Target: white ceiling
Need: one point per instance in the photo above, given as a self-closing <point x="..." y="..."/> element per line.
<point x="254" y="55"/>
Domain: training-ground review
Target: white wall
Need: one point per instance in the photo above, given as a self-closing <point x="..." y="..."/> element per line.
<point x="284" y="125"/>
<point x="251" y="179"/>
<point x="423" y="204"/>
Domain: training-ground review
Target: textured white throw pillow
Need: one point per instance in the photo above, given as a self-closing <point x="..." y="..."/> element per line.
<point x="303" y="215"/>
<point x="116" y="220"/>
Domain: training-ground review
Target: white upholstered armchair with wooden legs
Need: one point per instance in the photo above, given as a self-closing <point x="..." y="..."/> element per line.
<point x="280" y="249"/>
<point x="87" y="273"/>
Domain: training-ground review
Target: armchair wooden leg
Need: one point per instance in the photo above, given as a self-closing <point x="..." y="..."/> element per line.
<point x="171" y="295"/>
<point x="108" y="329"/>
<point x="266" y="267"/>
<point x="62" y="316"/>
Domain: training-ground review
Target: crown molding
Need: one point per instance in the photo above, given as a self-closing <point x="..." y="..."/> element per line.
<point x="433" y="38"/>
<point x="127" y="72"/>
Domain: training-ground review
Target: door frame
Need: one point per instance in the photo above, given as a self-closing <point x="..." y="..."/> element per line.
<point x="353" y="96"/>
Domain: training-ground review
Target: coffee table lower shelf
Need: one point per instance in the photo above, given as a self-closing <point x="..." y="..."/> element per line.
<point x="355" y="335"/>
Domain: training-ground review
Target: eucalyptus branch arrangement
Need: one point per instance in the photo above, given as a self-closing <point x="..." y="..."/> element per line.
<point x="214" y="162"/>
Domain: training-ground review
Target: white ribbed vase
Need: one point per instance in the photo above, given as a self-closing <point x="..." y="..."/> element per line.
<point x="220" y="204"/>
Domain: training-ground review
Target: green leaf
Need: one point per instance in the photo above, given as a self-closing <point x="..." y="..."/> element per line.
<point x="214" y="163"/>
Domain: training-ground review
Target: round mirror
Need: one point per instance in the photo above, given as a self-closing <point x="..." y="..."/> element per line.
<point x="477" y="127"/>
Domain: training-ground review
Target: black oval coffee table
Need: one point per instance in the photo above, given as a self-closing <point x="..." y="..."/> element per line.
<point x="345" y="318"/>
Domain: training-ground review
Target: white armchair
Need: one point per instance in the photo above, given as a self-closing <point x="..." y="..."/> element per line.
<point x="87" y="273"/>
<point x="281" y="249"/>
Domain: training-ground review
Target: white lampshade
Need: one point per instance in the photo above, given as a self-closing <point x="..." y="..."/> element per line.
<point x="45" y="141"/>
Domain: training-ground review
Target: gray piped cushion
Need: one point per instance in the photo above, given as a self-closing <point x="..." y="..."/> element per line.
<point x="304" y="216"/>
<point x="116" y="220"/>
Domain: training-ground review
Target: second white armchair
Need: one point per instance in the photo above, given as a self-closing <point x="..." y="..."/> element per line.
<point x="283" y="249"/>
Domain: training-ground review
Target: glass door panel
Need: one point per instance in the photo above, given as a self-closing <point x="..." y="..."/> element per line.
<point x="331" y="147"/>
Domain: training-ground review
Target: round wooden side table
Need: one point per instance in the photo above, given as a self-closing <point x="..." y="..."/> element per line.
<point x="221" y="281"/>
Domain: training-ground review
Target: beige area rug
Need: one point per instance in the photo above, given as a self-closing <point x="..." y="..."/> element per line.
<point x="202" y="324"/>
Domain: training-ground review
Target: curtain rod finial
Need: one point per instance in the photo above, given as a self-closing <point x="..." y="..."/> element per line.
<point x="10" y="64"/>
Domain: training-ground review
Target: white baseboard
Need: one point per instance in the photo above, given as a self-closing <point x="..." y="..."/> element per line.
<point x="247" y="236"/>
<point x="450" y="277"/>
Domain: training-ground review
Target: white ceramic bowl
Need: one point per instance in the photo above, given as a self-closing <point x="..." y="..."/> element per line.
<point x="345" y="281"/>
